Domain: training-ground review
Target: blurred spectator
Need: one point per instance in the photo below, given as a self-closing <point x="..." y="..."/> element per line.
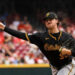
<point x="39" y="59"/>
<point x="1" y="38"/>
<point x="69" y="29"/>
<point x="29" y="58"/>
<point x="26" y="20"/>
<point x="16" y="21"/>
<point x="21" y="26"/>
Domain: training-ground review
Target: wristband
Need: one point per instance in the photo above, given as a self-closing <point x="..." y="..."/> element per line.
<point x="60" y="49"/>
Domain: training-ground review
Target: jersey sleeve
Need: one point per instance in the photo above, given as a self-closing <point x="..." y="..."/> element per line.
<point x="35" y="38"/>
<point x="71" y="44"/>
<point x="15" y="33"/>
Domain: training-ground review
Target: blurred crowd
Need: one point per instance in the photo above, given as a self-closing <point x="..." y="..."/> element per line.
<point x="67" y="23"/>
<point x="14" y="50"/>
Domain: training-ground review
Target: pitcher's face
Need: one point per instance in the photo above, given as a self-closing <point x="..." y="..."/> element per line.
<point x="51" y="23"/>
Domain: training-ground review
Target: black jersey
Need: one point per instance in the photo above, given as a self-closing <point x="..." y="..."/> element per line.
<point x="49" y="44"/>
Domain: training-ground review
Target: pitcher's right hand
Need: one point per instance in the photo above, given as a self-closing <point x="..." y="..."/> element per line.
<point x="2" y="26"/>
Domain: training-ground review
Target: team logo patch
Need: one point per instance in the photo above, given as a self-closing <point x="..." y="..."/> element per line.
<point x="49" y="47"/>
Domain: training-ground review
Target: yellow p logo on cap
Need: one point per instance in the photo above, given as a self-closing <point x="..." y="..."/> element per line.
<point x="47" y="14"/>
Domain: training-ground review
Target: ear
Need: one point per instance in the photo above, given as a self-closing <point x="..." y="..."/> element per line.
<point x="57" y="20"/>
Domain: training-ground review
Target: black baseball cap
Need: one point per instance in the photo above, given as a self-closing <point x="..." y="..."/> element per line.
<point x="50" y="15"/>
